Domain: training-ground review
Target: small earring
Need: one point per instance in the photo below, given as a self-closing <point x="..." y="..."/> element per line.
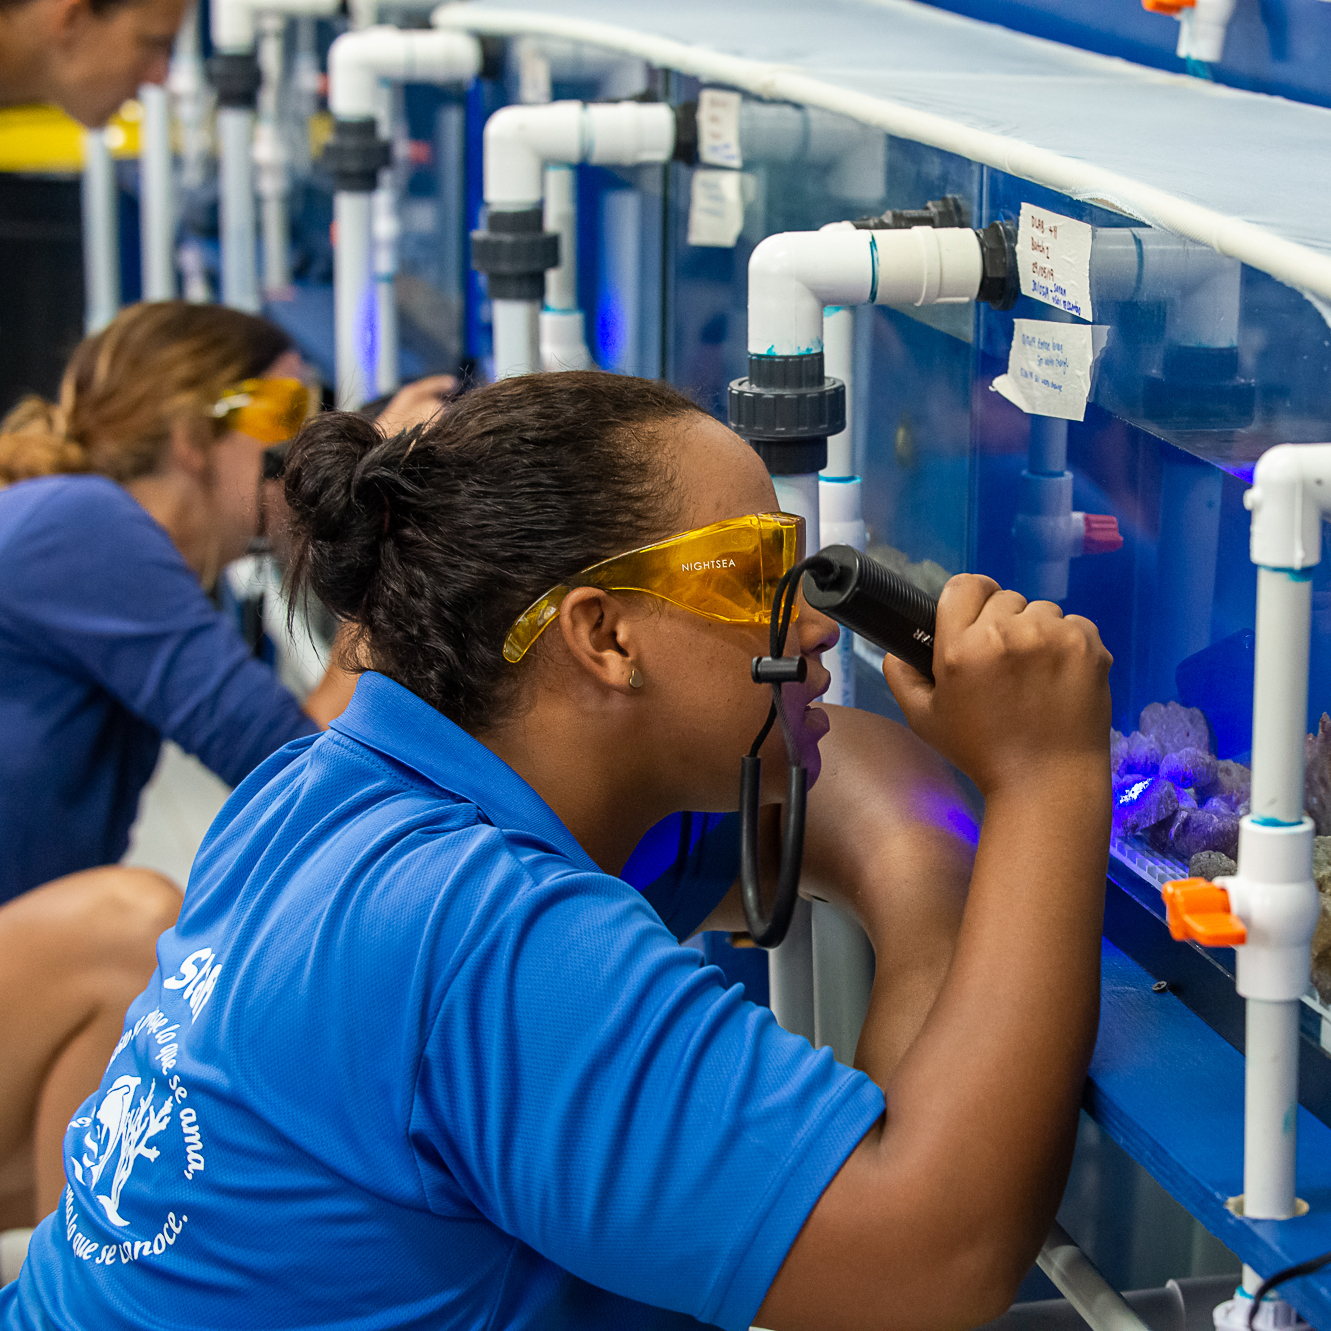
<point x="635" y="678"/>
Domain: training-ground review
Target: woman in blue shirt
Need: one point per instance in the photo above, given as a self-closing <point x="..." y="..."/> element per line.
<point x="121" y="506"/>
<point x="416" y="1056"/>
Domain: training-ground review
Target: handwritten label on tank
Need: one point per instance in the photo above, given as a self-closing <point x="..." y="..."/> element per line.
<point x="716" y="208"/>
<point x="1050" y="368"/>
<point x="718" y="129"/>
<point x="1054" y="260"/>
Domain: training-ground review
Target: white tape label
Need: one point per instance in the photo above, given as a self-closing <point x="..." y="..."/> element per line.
<point x="718" y="129"/>
<point x="716" y="208"/>
<point x="1054" y="260"/>
<point x="1050" y="368"/>
<point x="533" y="77"/>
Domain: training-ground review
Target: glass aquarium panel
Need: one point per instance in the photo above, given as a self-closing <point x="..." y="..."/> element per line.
<point x="1132" y="516"/>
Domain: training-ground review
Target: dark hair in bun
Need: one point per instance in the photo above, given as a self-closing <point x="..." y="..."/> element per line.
<point x="435" y="540"/>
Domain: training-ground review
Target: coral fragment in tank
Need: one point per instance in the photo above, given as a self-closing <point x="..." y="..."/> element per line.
<point x="1175" y="728"/>
<point x="1189" y="767"/>
<point x="1317" y="776"/>
<point x="1140" y="802"/>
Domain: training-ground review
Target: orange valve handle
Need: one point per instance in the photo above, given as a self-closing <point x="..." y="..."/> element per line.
<point x="1197" y="909"/>
<point x="1172" y="7"/>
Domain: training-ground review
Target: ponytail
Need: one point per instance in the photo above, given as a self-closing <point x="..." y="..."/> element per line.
<point x="33" y="442"/>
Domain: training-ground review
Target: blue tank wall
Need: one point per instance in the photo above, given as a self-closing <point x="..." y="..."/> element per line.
<point x="1273" y="46"/>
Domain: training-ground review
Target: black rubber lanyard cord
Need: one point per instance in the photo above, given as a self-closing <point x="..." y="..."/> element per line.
<point x="775" y="670"/>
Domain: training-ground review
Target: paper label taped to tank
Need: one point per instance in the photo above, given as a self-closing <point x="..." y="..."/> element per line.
<point x="1050" y="369"/>
<point x="716" y="208"/>
<point x="718" y="129"/>
<point x="1054" y="260"/>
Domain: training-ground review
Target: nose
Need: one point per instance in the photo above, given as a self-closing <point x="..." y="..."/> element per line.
<point x="816" y="632"/>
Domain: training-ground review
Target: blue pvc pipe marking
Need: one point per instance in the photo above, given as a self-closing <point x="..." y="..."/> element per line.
<point x="1169" y="1090"/>
<point x="873" y="266"/>
<point x="1293" y="574"/>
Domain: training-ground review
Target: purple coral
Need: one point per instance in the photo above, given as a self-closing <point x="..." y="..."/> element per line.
<point x="1141" y="802"/>
<point x="1317" y="776"/>
<point x="1189" y="767"/>
<point x="1139" y="754"/>
<point x="1175" y="728"/>
<point x="1196" y="830"/>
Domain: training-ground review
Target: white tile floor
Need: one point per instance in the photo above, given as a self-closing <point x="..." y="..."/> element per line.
<point x="176" y="807"/>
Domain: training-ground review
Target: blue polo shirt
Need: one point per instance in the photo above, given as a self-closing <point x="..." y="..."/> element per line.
<point x="410" y="1059"/>
<point x="107" y="644"/>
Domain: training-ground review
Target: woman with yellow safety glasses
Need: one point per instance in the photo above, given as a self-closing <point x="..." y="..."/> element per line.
<point x="436" y="1063"/>
<point x="119" y="506"/>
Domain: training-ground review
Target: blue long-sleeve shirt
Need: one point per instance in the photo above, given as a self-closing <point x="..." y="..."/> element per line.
<point x="107" y="645"/>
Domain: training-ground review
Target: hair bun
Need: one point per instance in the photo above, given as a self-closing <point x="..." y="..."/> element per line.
<point x="33" y="442"/>
<point x="342" y="476"/>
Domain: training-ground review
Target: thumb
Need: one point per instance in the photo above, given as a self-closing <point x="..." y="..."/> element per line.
<point x="913" y="692"/>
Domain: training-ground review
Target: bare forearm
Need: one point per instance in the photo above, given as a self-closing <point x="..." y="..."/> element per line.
<point x="1012" y="1031"/>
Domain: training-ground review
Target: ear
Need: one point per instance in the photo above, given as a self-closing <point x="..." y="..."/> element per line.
<point x="66" y="17"/>
<point x="600" y="636"/>
<point x="185" y="451"/>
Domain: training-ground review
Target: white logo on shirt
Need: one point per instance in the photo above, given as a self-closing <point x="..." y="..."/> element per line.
<point x="121" y="1129"/>
<point x="198" y="978"/>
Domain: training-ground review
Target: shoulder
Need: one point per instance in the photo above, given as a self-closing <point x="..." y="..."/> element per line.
<point x="95" y="507"/>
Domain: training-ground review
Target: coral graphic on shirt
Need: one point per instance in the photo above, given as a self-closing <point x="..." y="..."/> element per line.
<point x="121" y="1130"/>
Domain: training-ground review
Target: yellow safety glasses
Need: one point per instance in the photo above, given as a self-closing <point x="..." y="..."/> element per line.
<point x="268" y="410"/>
<point x="727" y="571"/>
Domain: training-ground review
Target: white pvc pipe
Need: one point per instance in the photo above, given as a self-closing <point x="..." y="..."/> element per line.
<point x="157" y="211"/>
<point x="192" y="96"/>
<point x="101" y="232"/>
<point x="1201" y="34"/>
<point x="305" y="83"/>
<point x="563" y="327"/>
<point x="1298" y="265"/>
<point x="240" y="279"/>
<point x="351" y="278"/>
<point x="272" y="173"/>
<point x="357" y="61"/>
<point x="841" y="522"/>
<point x="1101" y="1306"/>
<point x="838" y="363"/>
<point x="1280" y="693"/>
<point x="235" y="22"/>
<point x="359" y="64"/>
<point x="1270" y="1109"/>
<point x="516" y="326"/>
<point x="521" y="140"/>
<point x="794" y="274"/>
<point x="790" y="966"/>
<point x="561" y="217"/>
<point x="385" y="230"/>
<point x="842" y="980"/>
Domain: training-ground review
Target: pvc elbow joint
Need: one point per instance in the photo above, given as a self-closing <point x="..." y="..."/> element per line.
<point x="521" y="140"/>
<point x="233" y="21"/>
<point x="358" y="60"/>
<point x="1291" y="489"/>
<point x="794" y="274"/>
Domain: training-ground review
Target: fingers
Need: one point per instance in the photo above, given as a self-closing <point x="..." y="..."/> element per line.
<point x="962" y="601"/>
<point x="910" y="688"/>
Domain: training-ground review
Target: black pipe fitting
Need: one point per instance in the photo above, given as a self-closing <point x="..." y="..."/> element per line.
<point x="999" y="286"/>
<point x="786" y="408"/>
<point x="236" y="79"/>
<point x="949" y="211"/>
<point x="355" y="155"/>
<point x="514" y="252"/>
<point x="686" y="134"/>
